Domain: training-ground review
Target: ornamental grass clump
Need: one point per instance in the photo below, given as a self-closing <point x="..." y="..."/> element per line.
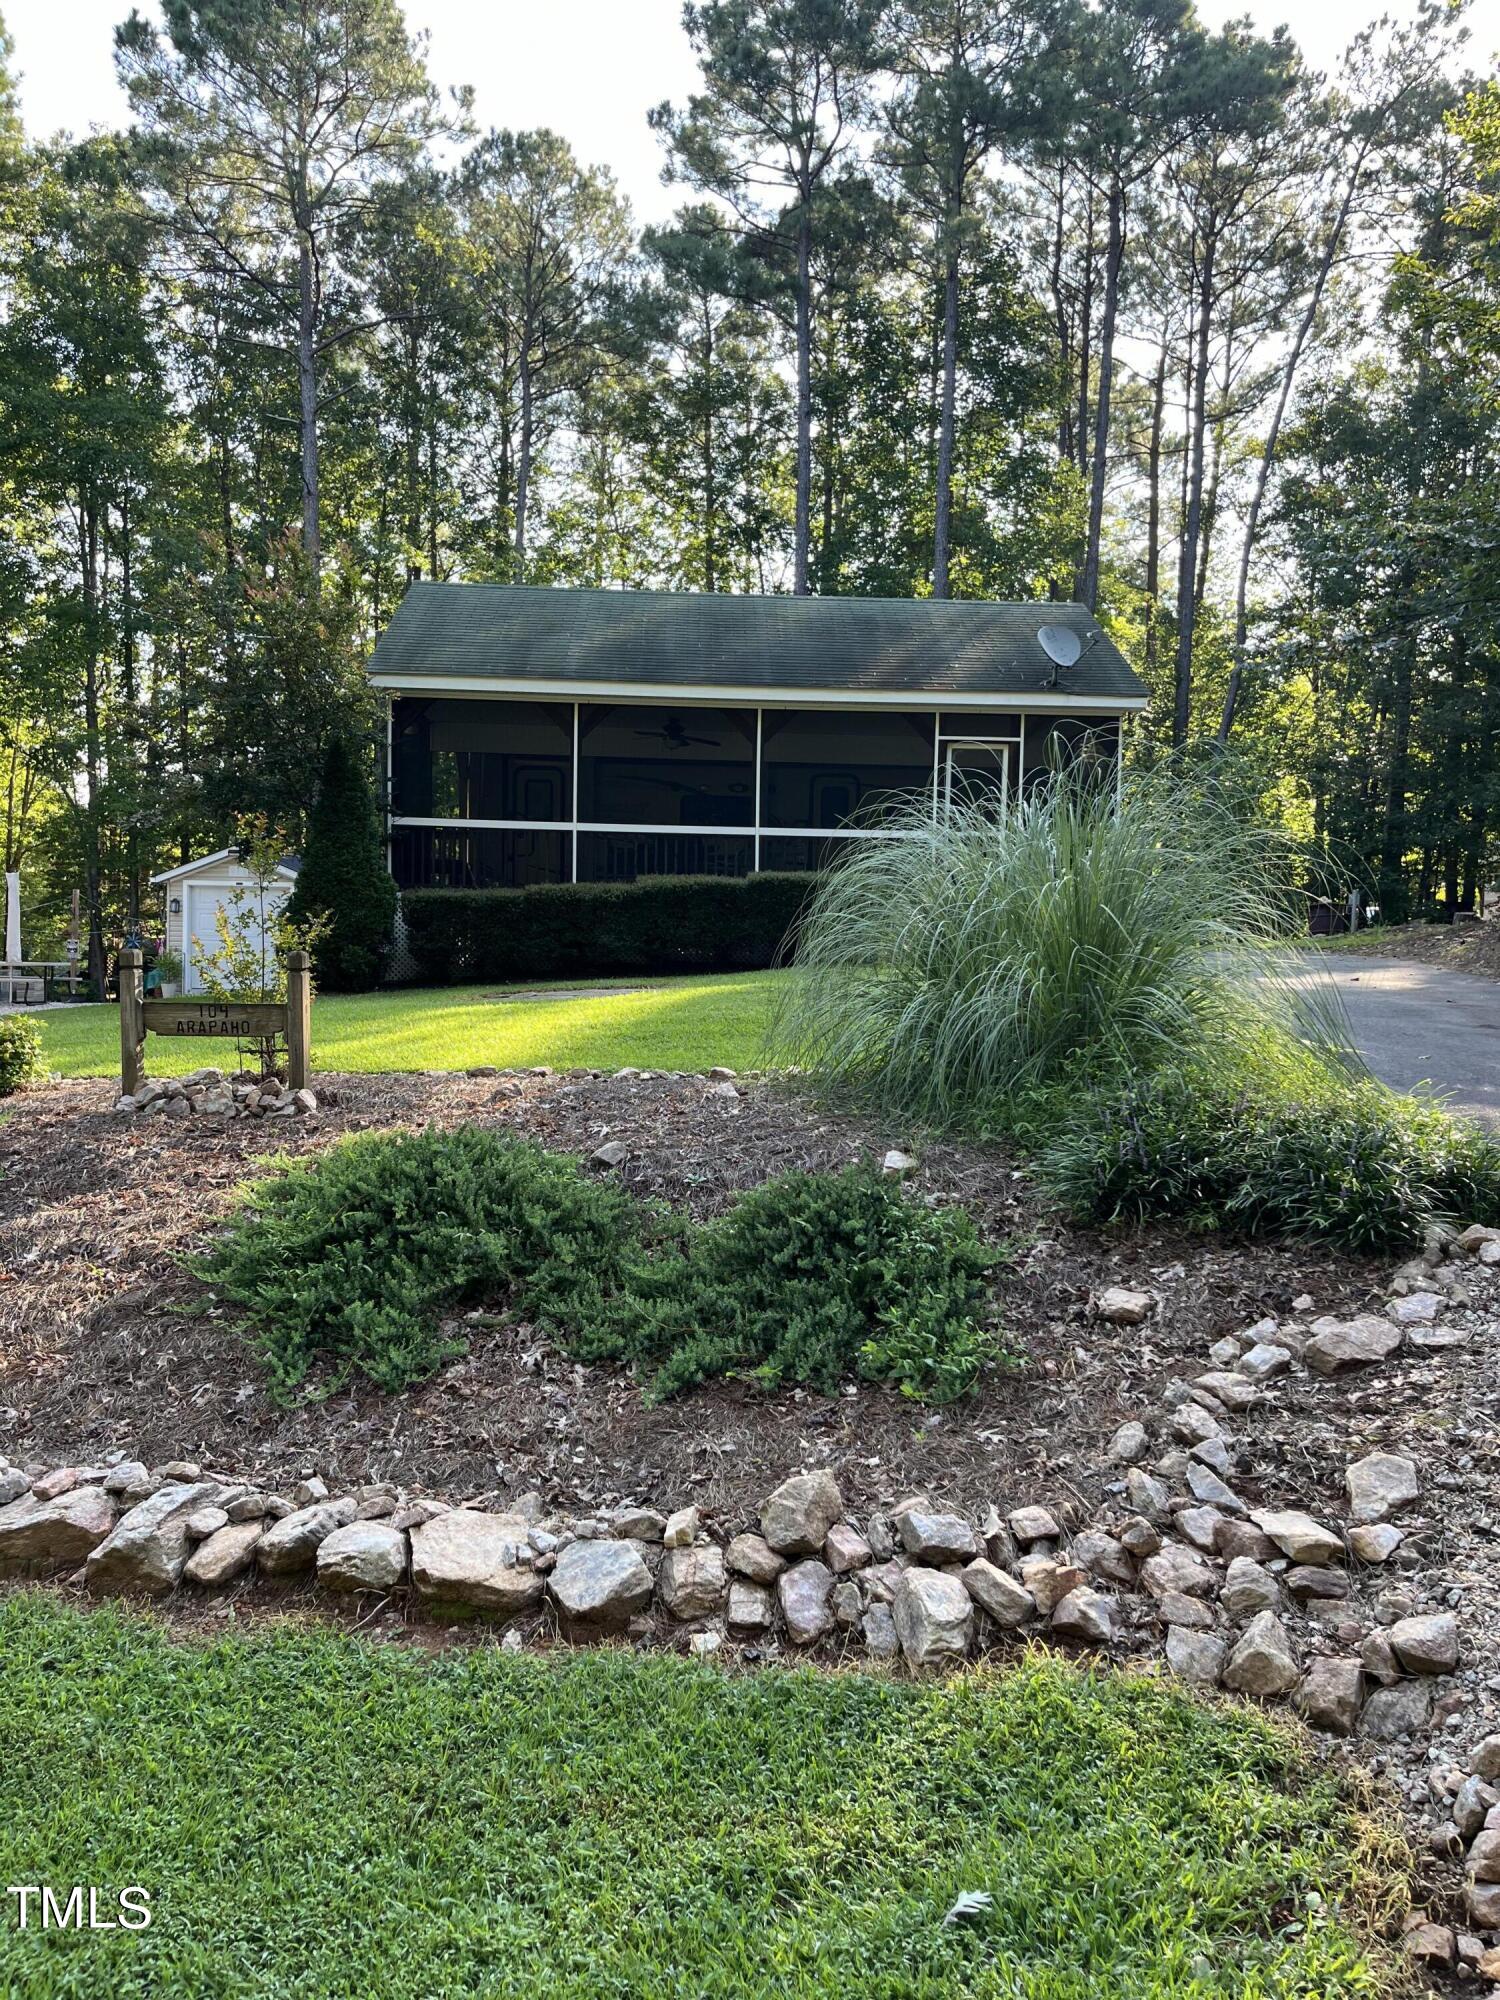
<point x="962" y="971"/>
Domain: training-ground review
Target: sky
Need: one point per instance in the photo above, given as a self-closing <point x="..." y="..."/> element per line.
<point x="590" y="69"/>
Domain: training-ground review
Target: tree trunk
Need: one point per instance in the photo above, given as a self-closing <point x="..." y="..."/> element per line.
<point x="803" y="530"/>
<point x="1153" y="501"/>
<point x="1085" y="334"/>
<point x="1187" y="571"/>
<point x="1268" y="453"/>
<point x="523" y="466"/>
<point x="1113" y="259"/>
<point x="946" y="418"/>
<point x="710" y="480"/>
<point x="307" y="383"/>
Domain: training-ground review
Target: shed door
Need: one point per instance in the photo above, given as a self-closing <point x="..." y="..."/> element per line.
<point x="200" y="909"/>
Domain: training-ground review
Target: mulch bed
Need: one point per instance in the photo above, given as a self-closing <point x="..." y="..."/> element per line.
<point x="105" y="1343"/>
<point x="1465" y="946"/>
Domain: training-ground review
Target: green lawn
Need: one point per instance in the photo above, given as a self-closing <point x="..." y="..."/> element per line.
<point x="317" y="1816"/>
<point x="688" y="1024"/>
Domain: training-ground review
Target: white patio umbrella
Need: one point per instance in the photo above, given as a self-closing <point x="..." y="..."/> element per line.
<point x="12" y="916"/>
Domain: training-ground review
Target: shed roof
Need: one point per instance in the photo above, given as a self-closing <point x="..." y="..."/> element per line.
<point x="288" y="865"/>
<point x="475" y="632"/>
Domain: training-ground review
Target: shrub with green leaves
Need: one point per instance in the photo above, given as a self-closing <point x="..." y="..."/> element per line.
<point x="20" y="1053"/>
<point x="352" y="1259"/>
<point x="350" y="1263"/>
<point x="1352" y="1164"/>
<point x="809" y="1278"/>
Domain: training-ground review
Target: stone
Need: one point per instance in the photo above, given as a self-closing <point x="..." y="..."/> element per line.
<point x="308" y="1492"/>
<point x="638" y="1524"/>
<point x="693" y="1582"/>
<point x="1307" y="1581"/>
<point x="1262" y="1662"/>
<point x="292" y="1542"/>
<point x="1374" y="1542"/>
<point x="148" y="1548"/>
<point x="797" y="1517"/>
<point x="601" y="1583"/>
<point x="1201" y="1526"/>
<point x="1050" y="1581"/>
<point x="362" y="1555"/>
<point x="52" y="1485"/>
<point x="803" y="1592"/>
<point x="1139" y="1538"/>
<point x="846" y="1605"/>
<point x="752" y="1556"/>
<point x="1174" y="1608"/>
<point x="898" y="1164"/>
<point x="1242" y="1538"/>
<point x="934" y="1617"/>
<point x="1472" y="1804"/>
<point x="1430" y="1944"/>
<point x="1130" y="1444"/>
<point x="1234" y="1391"/>
<point x="1380" y="1485"/>
<point x="1146" y="1495"/>
<point x="207" y="1521"/>
<point x="1394" y="1712"/>
<point x="1378" y="1658"/>
<point x="1266" y="1360"/>
<point x="471" y="1561"/>
<point x="1484" y="1857"/>
<point x="723" y="1090"/>
<point x="1197" y="1657"/>
<point x="1190" y="1424"/>
<point x="246" y="1507"/>
<point x="1248" y="1589"/>
<point x="225" y="1554"/>
<point x="1101" y="1555"/>
<point x="1336" y="1344"/>
<point x="1087" y="1615"/>
<point x="1427" y="1645"/>
<point x="936" y="1537"/>
<point x="845" y="1549"/>
<point x="998" y="1594"/>
<point x="681" y="1529"/>
<point x="1486" y="1759"/>
<point x="180" y="1471"/>
<point x="881" y="1638"/>
<point x="1328" y="1694"/>
<point x="14" y="1485"/>
<point x="1225" y="1353"/>
<point x="1174" y="1567"/>
<point x="702" y="1645"/>
<point x="1208" y="1487"/>
<point x="64" y="1529"/>
<point x="1034" y="1524"/>
<point x="613" y="1153"/>
<point x="1123" y="1307"/>
<point x="1298" y="1535"/>
<point x="751" y="1605"/>
<point x="1482" y="1900"/>
<point x="1415" y="1309"/>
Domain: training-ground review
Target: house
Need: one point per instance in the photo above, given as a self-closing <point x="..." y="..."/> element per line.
<point x="196" y="891"/>
<point x="540" y="735"/>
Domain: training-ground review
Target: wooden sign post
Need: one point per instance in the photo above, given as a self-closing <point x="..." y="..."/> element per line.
<point x="239" y="1020"/>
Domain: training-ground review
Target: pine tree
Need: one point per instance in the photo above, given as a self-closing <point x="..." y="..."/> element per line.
<point x="344" y="885"/>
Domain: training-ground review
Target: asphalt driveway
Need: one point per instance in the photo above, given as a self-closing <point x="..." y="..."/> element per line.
<point x="1424" y="1024"/>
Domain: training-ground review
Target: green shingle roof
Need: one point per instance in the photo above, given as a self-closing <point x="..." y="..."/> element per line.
<point x="803" y="645"/>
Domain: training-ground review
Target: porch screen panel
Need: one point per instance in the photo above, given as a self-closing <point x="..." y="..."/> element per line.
<point x="824" y="768"/>
<point x="666" y="766"/>
<point x="628" y="855"/>
<point x="482" y="760"/>
<point x="435" y="857"/>
<point x="1087" y="745"/>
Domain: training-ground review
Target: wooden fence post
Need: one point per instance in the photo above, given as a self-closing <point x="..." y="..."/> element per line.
<point x="298" y="1018"/>
<point x="132" y="1023"/>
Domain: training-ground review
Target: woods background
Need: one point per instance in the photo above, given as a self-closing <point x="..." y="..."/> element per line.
<point x="1063" y="298"/>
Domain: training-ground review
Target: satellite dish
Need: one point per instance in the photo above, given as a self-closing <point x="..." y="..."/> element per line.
<point x="1062" y="646"/>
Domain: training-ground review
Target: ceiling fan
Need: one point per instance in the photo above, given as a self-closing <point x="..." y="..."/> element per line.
<point x="676" y="737"/>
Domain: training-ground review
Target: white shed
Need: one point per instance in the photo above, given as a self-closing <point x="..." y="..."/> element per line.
<point x="195" y="892"/>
